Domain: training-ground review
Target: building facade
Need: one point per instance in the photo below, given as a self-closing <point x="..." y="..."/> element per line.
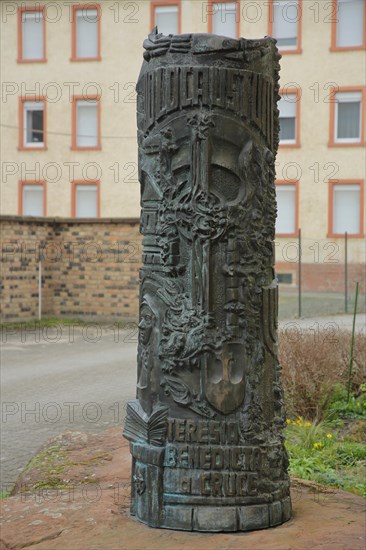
<point x="68" y="122"/>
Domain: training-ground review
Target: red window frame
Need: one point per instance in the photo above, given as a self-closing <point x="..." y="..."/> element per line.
<point x="21" y="184"/>
<point x="332" y="184"/>
<point x="74" y="185"/>
<point x="332" y="102"/>
<point x="76" y="8"/>
<point x="334" y="47"/>
<point x="74" y="146"/>
<point x="299" y="28"/>
<point x="21" y="10"/>
<point x="154" y="5"/>
<point x="21" y="144"/>
<point x="210" y="13"/>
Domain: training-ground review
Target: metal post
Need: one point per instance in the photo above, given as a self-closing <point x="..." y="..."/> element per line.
<point x="299" y="273"/>
<point x="39" y="290"/>
<point x="346" y="272"/>
<point x="352" y="344"/>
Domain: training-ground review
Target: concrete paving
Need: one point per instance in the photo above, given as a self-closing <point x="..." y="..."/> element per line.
<point x="68" y="377"/>
<point x="331" y="322"/>
<point x="69" y="384"/>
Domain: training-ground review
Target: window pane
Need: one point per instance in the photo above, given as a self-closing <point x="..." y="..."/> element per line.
<point x="33" y="123"/>
<point x="166" y="19"/>
<point x="350" y="17"/>
<point x="287" y="105"/>
<point x="86" y="33"/>
<point x="285" y="23"/>
<point x="86" y="201"/>
<point x="346" y="209"/>
<point x="224" y="19"/>
<point x="33" y="200"/>
<point x="87" y="123"/>
<point x="32" y="35"/>
<point x="348" y="123"/>
<point x="285" y="222"/>
<point x="287" y="108"/>
<point x="287" y="129"/>
<point x="34" y="127"/>
<point x="285" y="278"/>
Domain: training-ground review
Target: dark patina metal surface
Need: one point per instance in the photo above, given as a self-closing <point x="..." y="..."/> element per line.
<point x="206" y="427"/>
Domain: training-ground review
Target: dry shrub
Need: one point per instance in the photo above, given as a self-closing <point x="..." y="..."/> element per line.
<point x="312" y="363"/>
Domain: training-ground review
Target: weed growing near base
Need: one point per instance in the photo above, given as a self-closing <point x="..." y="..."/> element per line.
<point x="324" y="452"/>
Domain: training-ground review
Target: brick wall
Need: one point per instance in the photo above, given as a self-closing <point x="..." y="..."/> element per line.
<point x="322" y="277"/>
<point x="89" y="268"/>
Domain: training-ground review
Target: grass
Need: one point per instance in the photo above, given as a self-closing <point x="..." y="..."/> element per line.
<point x="316" y="304"/>
<point x="45" y="322"/>
<point x="327" y="454"/>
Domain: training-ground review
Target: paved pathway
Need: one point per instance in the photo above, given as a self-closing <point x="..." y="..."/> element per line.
<point x="81" y="379"/>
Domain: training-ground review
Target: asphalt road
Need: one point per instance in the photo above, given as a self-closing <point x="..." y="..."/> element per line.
<point x="80" y="381"/>
<point x="68" y="378"/>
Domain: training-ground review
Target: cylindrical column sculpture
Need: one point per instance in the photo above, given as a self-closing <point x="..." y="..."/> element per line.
<point x="206" y="428"/>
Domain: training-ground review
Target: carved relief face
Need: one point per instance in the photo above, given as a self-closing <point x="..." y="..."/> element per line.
<point x="147" y="320"/>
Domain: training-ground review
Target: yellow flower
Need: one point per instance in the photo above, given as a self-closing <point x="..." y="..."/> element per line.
<point x="318" y="445"/>
<point x="329" y="436"/>
<point x="307" y="424"/>
<point x="288" y="421"/>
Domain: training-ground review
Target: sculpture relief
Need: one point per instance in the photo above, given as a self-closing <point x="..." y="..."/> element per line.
<point x="206" y="428"/>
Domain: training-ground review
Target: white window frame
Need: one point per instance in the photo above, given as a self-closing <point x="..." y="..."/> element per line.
<point x="348" y="97"/>
<point x="32" y="106"/>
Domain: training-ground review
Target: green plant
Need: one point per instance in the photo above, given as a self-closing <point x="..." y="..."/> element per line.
<point x="339" y="406"/>
<point x="313" y="363"/>
<point x="320" y="453"/>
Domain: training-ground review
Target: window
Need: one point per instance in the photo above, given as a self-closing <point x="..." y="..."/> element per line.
<point x="86" y="33"/>
<point x="346" y="118"/>
<point x="287" y="208"/>
<point x="285" y="278"/>
<point x="348" y="25"/>
<point x="285" y="24"/>
<point x="346" y="208"/>
<point x="86" y="123"/>
<point x="224" y="18"/>
<point x="289" y="108"/>
<point x="85" y="199"/>
<point x="32" y="123"/>
<point x="31" y="34"/>
<point x="166" y="17"/>
<point x="32" y="198"/>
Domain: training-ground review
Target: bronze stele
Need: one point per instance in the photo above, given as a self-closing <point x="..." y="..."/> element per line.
<point x="206" y="428"/>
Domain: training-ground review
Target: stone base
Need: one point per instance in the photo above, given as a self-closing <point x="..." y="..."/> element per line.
<point x="225" y="518"/>
<point x="157" y="501"/>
